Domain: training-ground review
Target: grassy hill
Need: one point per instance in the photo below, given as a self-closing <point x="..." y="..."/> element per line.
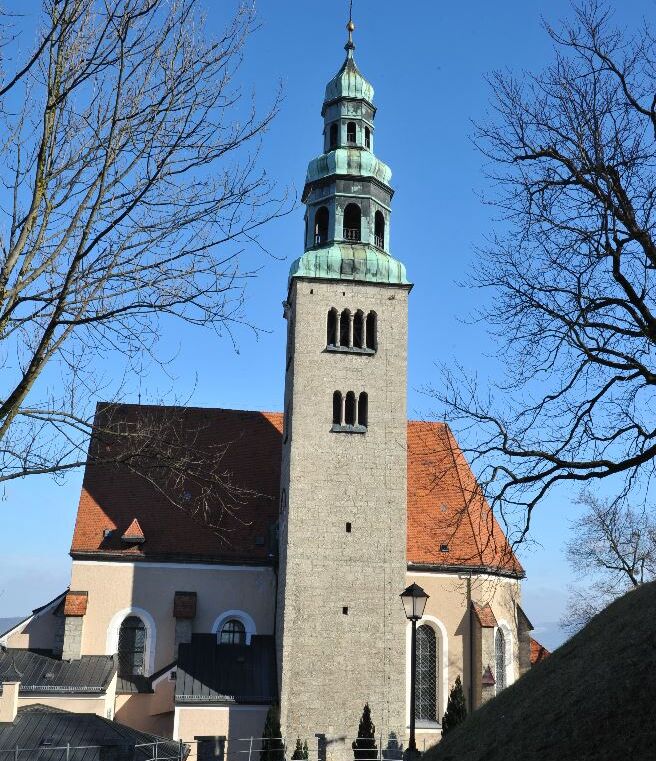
<point x="594" y="698"/>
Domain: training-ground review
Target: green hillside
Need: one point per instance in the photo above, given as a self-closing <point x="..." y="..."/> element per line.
<point x="594" y="698"/>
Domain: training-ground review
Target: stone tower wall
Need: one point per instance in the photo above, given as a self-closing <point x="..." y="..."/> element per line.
<point x="332" y="662"/>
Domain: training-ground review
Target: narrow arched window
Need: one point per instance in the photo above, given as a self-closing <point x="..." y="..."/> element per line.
<point x="352" y="222"/>
<point x="337" y="408"/>
<point x="345" y="328"/>
<point x="367" y="137"/>
<point x="321" y="225"/>
<point x="331" y="328"/>
<point x="233" y="632"/>
<point x="132" y="647"/>
<point x="351" y="133"/>
<point x="349" y="409"/>
<point x="363" y="410"/>
<point x="426" y="674"/>
<point x="371" y="331"/>
<point x="333" y="135"/>
<point x="500" y="652"/>
<point x="379" y="229"/>
<point x="358" y="329"/>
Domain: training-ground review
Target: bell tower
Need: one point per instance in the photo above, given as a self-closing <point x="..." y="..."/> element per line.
<point x="342" y="558"/>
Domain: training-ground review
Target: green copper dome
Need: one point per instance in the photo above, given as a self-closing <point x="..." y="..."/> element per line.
<point x="348" y="161"/>
<point x="347" y="191"/>
<point x="349" y="83"/>
<point x="350" y="261"/>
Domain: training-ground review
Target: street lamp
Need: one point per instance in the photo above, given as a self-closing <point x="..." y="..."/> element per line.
<point x="414" y="601"/>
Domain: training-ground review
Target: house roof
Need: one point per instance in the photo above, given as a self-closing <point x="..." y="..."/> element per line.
<point x="449" y="522"/>
<point x="38" y="723"/>
<point x="45" y="675"/>
<point x="538" y="652"/>
<point x="485" y="616"/>
<point x="208" y="672"/>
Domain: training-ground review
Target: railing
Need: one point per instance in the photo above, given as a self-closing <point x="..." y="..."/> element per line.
<point x="159" y="750"/>
<point x="351" y="233"/>
<point x="221" y="748"/>
<point x="320" y="238"/>
<point x="379" y="241"/>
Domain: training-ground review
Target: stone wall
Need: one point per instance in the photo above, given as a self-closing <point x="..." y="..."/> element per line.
<point x="341" y="623"/>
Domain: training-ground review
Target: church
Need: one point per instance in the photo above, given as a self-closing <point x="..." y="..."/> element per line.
<point x="174" y="628"/>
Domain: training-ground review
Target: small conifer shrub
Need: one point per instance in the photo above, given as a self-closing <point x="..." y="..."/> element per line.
<point x="300" y="751"/>
<point x="364" y="747"/>
<point x="273" y="748"/>
<point x="456" y="709"/>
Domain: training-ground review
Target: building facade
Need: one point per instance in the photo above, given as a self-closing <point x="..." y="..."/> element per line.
<point x="294" y="596"/>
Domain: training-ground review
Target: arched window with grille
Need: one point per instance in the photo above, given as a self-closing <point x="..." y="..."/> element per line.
<point x="321" y="219"/>
<point x="349" y="409"/>
<point x="337" y="408"/>
<point x="233" y="632"/>
<point x="352" y="222"/>
<point x="500" y="652"/>
<point x="132" y="647"/>
<point x="363" y="410"/>
<point x="331" y="328"/>
<point x="379" y="229"/>
<point x="426" y="674"/>
<point x="351" y="133"/>
<point x="371" y="331"/>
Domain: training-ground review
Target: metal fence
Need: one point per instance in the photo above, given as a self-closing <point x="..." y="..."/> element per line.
<point x="160" y="750"/>
<point x="214" y="748"/>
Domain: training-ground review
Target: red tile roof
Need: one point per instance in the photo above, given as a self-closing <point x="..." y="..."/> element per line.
<point x="486" y="617"/>
<point x="133" y="533"/>
<point x="538" y="652"/>
<point x="449" y="522"/>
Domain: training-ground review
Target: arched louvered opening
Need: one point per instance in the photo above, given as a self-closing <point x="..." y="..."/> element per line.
<point x="233" y="632"/>
<point x="351" y="133"/>
<point x="367" y="137"/>
<point x="358" y="329"/>
<point x="321" y="218"/>
<point x="426" y="674"/>
<point x="363" y="410"/>
<point x="345" y="328"/>
<point x="371" y="330"/>
<point x="500" y="652"/>
<point x="379" y="229"/>
<point x="352" y="222"/>
<point x="132" y="647"/>
<point x="333" y="136"/>
<point x="331" y="327"/>
<point x="349" y="409"/>
<point x="337" y="408"/>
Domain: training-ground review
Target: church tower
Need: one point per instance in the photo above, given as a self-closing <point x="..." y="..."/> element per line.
<point x="342" y="558"/>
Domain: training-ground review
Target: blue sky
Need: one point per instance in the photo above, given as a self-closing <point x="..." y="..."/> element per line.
<point x="427" y="62"/>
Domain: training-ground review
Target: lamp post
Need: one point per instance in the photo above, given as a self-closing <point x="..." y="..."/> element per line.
<point x="414" y="601"/>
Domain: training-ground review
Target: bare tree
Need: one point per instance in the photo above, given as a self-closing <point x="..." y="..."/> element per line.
<point x="613" y="547"/>
<point x="129" y="188"/>
<point x="570" y="271"/>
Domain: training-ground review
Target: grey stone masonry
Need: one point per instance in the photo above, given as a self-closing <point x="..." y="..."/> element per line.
<point x="72" y="649"/>
<point x="341" y="626"/>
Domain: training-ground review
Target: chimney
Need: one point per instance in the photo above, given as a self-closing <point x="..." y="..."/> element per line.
<point x="184" y="612"/>
<point x="9" y="698"/>
<point x="75" y="608"/>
